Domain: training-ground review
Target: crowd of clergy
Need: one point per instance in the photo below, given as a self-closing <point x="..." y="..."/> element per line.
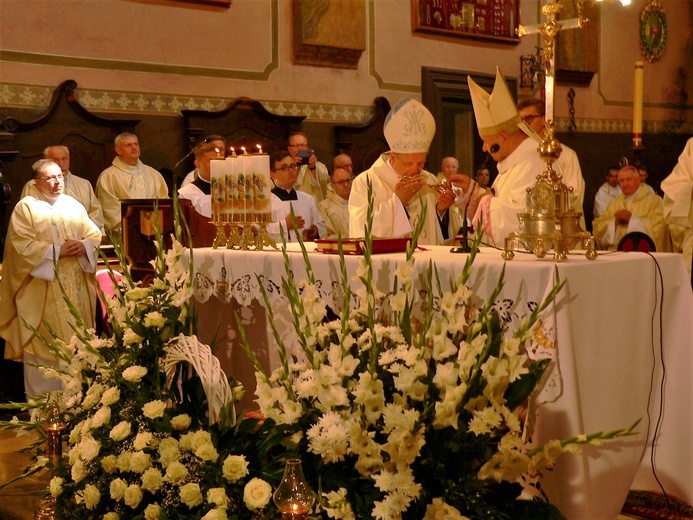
<point x="59" y="222"/>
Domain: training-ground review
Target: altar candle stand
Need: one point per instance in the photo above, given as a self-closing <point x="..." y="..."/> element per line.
<point x="638" y="87"/>
<point x="241" y="198"/>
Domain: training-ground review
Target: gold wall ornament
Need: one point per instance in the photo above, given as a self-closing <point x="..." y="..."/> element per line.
<point x="653" y="31"/>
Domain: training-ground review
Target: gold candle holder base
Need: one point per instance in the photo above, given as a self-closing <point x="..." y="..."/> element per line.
<point x="46" y="510"/>
<point x="244" y="235"/>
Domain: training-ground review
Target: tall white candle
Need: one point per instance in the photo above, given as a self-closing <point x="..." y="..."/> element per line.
<point x="637" y="103"/>
<point x="218" y="183"/>
<point x="261" y="187"/>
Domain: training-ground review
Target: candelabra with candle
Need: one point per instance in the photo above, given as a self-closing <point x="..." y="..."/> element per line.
<point x="241" y="200"/>
<point x="54" y="427"/>
<point x="294" y="498"/>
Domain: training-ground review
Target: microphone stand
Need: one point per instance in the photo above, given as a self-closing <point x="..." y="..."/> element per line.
<point x="464" y="246"/>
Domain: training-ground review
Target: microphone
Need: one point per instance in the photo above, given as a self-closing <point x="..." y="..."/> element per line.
<point x="464" y="246"/>
<point x="494" y="148"/>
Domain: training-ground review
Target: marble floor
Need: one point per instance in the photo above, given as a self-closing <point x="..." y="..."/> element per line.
<point x="21" y="499"/>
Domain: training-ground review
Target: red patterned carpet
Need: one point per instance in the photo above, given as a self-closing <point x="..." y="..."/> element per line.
<point x="650" y="505"/>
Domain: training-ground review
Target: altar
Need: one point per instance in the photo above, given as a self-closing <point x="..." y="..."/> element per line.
<point x="615" y="324"/>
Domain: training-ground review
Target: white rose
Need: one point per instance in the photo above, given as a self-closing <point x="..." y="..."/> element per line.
<point x="235" y="467"/>
<point x="181" y="422"/>
<point x="176" y="472"/>
<point x="117" y="488"/>
<point x="110" y="396"/>
<point x="154" y="409"/>
<point x="190" y="495"/>
<point x="78" y="472"/>
<point x="207" y="452"/>
<point x="216" y="514"/>
<point x="89" y="448"/>
<point x="109" y="463"/>
<point x="140" y="461"/>
<point x="154" y="319"/>
<point x="120" y="431"/>
<point x="101" y="417"/>
<point x="91" y="496"/>
<point x="257" y="493"/>
<point x="123" y="463"/>
<point x="111" y="516"/>
<point x="186" y="441"/>
<point x="134" y="373"/>
<point x="56" y="486"/>
<point x="142" y="440"/>
<point x="152" y="480"/>
<point x="133" y="496"/>
<point x="218" y="497"/>
<point x="131" y="337"/>
<point x="152" y="512"/>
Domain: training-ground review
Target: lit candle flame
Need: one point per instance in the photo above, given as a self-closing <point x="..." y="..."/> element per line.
<point x="233" y="151"/>
<point x="259" y="148"/>
<point x="245" y="152"/>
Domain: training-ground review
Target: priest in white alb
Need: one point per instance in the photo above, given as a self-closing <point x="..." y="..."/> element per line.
<point x="514" y="145"/>
<point x="48" y="232"/>
<point x="401" y="186"/>
<point x="127" y="178"/>
<point x="678" y="204"/>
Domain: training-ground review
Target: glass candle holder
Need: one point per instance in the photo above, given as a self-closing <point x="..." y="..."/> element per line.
<point x="294" y="498"/>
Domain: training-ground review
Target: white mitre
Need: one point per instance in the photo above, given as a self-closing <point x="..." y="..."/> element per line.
<point x="496" y="112"/>
<point x="409" y="127"/>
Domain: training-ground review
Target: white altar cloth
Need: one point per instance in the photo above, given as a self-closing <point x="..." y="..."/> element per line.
<point x="606" y="326"/>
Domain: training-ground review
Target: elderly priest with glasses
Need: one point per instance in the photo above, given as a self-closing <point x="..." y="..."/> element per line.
<point x="50" y="236"/>
<point x="402" y="189"/>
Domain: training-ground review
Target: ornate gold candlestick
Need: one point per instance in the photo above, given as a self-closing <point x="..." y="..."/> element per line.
<point x="550" y="220"/>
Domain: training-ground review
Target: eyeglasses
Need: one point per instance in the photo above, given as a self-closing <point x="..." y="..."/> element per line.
<point x="286" y="168"/>
<point x="298" y="145"/>
<point x="529" y="118"/>
<point x="345" y="167"/>
<point x="53" y="178"/>
<point x="345" y="182"/>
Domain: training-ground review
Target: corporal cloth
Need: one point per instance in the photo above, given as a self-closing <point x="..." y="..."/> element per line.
<point x="121" y="181"/>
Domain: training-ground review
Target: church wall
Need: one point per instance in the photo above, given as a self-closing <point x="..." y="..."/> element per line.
<point x="151" y="58"/>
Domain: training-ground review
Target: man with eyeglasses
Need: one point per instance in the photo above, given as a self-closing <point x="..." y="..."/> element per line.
<point x="312" y="174"/>
<point x="533" y="112"/>
<point x="48" y="232"/>
<point x="403" y="192"/>
<point x="77" y="187"/>
<point x="335" y="207"/>
<point x="283" y="172"/>
<point x="199" y="191"/>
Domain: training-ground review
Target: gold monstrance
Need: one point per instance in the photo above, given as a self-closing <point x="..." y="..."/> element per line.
<point x="550" y="221"/>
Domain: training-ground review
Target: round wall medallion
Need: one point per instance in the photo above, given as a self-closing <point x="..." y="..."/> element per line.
<point x="653" y="31"/>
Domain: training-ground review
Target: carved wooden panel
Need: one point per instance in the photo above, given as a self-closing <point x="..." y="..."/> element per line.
<point x="364" y="143"/>
<point x="244" y="122"/>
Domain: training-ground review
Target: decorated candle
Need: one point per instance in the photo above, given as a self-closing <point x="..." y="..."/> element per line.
<point x="217" y="187"/>
<point x="261" y="187"/>
<point x="637" y="103"/>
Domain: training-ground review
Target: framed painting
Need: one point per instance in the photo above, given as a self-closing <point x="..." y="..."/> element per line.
<point x="491" y="20"/>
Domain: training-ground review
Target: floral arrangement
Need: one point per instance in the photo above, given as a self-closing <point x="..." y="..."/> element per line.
<point x="403" y="416"/>
<point x="149" y="414"/>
